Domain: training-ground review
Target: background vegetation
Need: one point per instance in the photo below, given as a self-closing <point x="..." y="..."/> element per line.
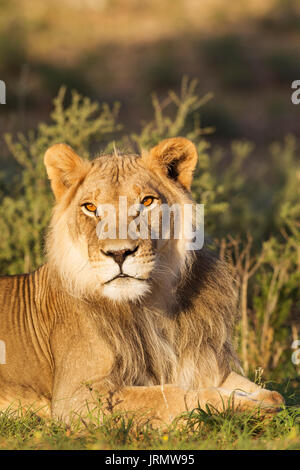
<point x="248" y="172"/>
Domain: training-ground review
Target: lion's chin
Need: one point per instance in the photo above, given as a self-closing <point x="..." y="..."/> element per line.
<point x="125" y="289"/>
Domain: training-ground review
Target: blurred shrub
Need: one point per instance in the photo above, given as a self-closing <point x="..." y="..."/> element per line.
<point x="284" y="66"/>
<point x="230" y="58"/>
<point x="160" y="71"/>
<point x="252" y="209"/>
<point x="52" y="76"/>
<point x="12" y="48"/>
<point x="218" y="115"/>
<point x="284" y="16"/>
<point x="267" y="280"/>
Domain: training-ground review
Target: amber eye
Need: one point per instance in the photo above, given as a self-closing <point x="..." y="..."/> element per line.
<point x="147" y="201"/>
<point x="90" y="207"/>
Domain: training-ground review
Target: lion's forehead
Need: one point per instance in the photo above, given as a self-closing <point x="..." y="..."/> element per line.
<point x="115" y="169"/>
<point x="115" y="176"/>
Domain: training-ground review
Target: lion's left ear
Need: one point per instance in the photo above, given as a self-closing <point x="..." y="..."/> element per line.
<point x="177" y="157"/>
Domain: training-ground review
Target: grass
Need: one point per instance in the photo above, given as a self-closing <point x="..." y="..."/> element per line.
<point x="197" y="430"/>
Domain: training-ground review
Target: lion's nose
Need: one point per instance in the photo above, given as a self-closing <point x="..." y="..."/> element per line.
<point x="120" y="255"/>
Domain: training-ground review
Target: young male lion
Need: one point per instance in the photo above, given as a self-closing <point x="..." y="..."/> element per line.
<point x="143" y="321"/>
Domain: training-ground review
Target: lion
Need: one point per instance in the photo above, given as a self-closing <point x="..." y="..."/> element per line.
<point x="145" y="323"/>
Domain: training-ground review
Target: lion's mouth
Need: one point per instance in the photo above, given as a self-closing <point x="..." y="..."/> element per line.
<point x="125" y="276"/>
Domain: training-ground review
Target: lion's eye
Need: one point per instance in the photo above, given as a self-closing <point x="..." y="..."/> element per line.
<point x="147" y="201"/>
<point x="90" y="207"/>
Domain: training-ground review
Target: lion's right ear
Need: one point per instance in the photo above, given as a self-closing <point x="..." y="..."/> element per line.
<point x="64" y="168"/>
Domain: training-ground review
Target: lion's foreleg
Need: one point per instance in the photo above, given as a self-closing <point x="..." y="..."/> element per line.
<point x="164" y="403"/>
<point x="161" y="404"/>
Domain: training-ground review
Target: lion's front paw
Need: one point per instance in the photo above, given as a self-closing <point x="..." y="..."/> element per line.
<point x="263" y="400"/>
<point x="269" y="401"/>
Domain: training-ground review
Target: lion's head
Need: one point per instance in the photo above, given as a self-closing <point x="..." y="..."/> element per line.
<point x="97" y="200"/>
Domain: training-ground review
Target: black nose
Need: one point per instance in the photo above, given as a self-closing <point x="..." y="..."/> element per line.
<point x="120" y="255"/>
